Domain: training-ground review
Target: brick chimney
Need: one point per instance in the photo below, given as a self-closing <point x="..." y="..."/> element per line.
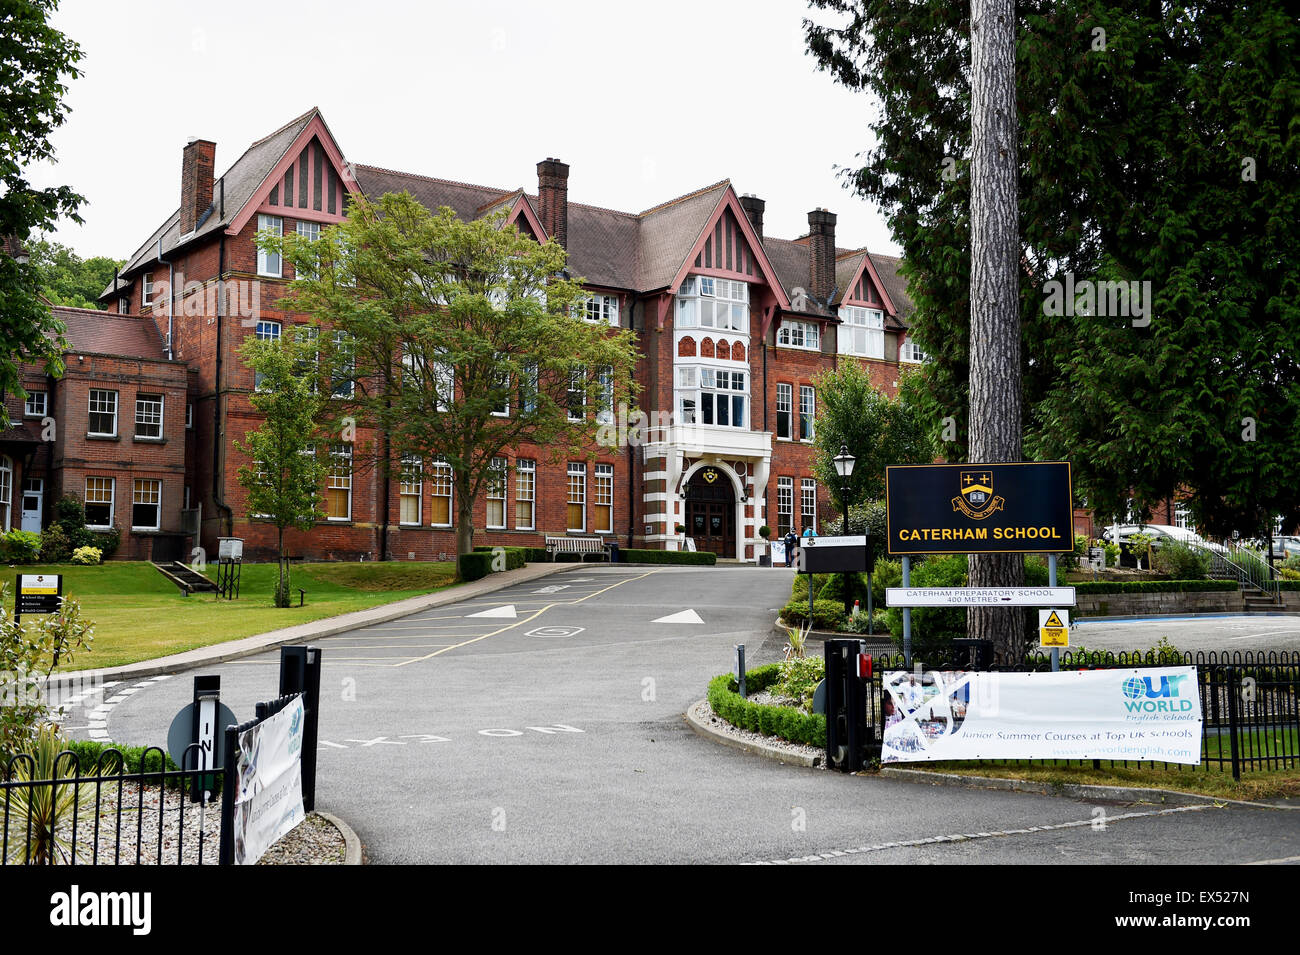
<point x="754" y="207"/>
<point x="821" y="253"/>
<point x="196" y="181"/>
<point x="553" y="196"/>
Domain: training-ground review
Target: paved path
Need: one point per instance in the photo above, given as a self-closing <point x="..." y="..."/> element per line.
<point x="557" y="735"/>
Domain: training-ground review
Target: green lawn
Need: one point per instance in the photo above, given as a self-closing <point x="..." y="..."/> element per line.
<point x="139" y="614"/>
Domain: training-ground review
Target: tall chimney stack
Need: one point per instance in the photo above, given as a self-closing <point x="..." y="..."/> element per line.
<point x="821" y="253"/>
<point x="754" y="207"/>
<point x="553" y="196"/>
<point x="196" y="181"/>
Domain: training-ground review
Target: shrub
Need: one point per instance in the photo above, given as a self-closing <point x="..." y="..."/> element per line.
<point x="88" y="556"/>
<point x="827" y="614"/>
<point x="799" y="587"/>
<point x="1181" y="562"/>
<point x="1292" y="563"/>
<point x="765" y="532"/>
<point x="785" y="722"/>
<point x="515" y="557"/>
<point x="630" y="555"/>
<point x="474" y="566"/>
<point x="55" y="546"/>
<point x="799" y="678"/>
<point x="1289" y="574"/>
<point x="933" y="627"/>
<point x="20" y="547"/>
<point x="1153" y="586"/>
<point x="888" y="573"/>
<point x="106" y="541"/>
<point x="834" y="589"/>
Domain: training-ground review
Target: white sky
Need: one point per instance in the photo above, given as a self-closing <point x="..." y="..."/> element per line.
<point x="645" y="102"/>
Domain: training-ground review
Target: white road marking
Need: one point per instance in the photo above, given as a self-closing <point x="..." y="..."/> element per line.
<point x="507" y="612"/>
<point x="685" y="616"/>
<point x="969" y="836"/>
<point x="555" y="632"/>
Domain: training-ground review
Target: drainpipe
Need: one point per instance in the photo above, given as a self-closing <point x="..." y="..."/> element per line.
<point x="171" y="295"/>
<point x="218" y="457"/>
<point x="631" y="453"/>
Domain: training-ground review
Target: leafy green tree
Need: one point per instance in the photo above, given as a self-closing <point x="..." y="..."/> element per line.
<point x="457" y="340"/>
<point x="66" y="278"/>
<point x="34" y="60"/>
<point x="878" y="430"/>
<point x="284" y="481"/>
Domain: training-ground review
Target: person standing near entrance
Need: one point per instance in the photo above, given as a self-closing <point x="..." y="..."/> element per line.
<point x="809" y="532"/>
<point x="791" y="545"/>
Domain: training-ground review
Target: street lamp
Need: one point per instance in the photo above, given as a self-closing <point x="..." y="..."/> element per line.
<point x="844" y="468"/>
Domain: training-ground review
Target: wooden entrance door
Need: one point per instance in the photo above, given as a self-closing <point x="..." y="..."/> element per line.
<point x="711" y="512"/>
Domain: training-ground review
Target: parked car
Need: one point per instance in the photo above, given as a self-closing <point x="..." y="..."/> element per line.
<point x="1160" y="532"/>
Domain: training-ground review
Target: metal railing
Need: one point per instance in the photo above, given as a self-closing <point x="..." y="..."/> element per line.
<point x="107" y="815"/>
<point x="1242" y="564"/>
<point x="1250" y="705"/>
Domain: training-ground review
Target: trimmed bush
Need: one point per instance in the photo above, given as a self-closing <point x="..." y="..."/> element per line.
<point x="474" y="566"/>
<point x="635" y="556"/>
<point x="827" y="614"/>
<point x="784" y="722"/>
<point x="20" y="547"/>
<point x="89" y="556"/>
<point x="517" y="557"/>
<point x="1153" y="586"/>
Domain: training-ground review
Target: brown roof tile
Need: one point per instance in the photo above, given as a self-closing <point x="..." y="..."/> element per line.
<point x="107" y="333"/>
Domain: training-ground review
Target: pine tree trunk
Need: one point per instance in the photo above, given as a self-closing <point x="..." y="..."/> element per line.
<point x="995" y="398"/>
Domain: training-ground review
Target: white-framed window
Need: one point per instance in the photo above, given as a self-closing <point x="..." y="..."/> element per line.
<point x="189" y="416"/>
<point x="496" y="494"/>
<point x="712" y="396"/>
<point x="501" y="382"/>
<point x="605" y="400"/>
<point x="599" y="309"/>
<point x="146" y="289"/>
<point x="35" y="405"/>
<point x="525" y="494"/>
<point x="269" y="262"/>
<point x="577" y="392"/>
<point x="103" y="412"/>
<point x="266" y="331"/>
<point x="123" y="305"/>
<point x="808" y="502"/>
<point x="805" y="335"/>
<point x="148" y="416"/>
<point x="707" y="302"/>
<point x="912" y="354"/>
<point x="528" y="385"/>
<point x="784" y="505"/>
<point x="99" y="502"/>
<point x="6" y="493"/>
<point x="603" y="515"/>
<point x="577" y="487"/>
<point x="342" y="385"/>
<point x="784" y="409"/>
<point x="807" y="411"/>
<point x="862" y="332"/>
<point x="444" y="383"/>
<point x="410" y="489"/>
<point x="440" y="484"/>
<point x="309" y="232"/>
<point x="338" y="483"/>
<point x="146" y="505"/>
<point x="1183" y="517"/>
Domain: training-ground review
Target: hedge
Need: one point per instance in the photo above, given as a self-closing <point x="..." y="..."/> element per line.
<point x="516" y="557"/>
<point x="634" y="556"/>
<point x="1153" y="586"/>
<point x="1288" y="585"/>
<point x="784" y="722"/>
<point x="827" y="614"/>
<point x="474" y="566"/>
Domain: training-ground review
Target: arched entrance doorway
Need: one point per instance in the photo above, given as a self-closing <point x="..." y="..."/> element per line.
<point x="711" y="512"/>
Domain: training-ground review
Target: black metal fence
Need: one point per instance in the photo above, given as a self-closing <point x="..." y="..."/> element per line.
<point x="107" y="815"/>
<point x="1250" y="704"/>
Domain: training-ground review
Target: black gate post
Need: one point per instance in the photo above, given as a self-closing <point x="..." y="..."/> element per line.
<point x="847" y="734"/>
<point x="300" y="673"/>
<point x="226" y="853"/>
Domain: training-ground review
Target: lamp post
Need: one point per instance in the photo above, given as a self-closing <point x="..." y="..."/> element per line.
<point x="844" y="468"/>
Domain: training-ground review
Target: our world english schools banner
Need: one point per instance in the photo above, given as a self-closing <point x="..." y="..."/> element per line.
<point x="1148" y="713"/>
<point x="268" y="800"/>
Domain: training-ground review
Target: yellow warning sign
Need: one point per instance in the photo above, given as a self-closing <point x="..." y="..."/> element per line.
<point x="1053" y="621"/>
<point x="1054" y="637"/>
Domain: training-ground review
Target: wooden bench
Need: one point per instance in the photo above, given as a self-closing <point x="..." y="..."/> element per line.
<point x="574" y="545"/>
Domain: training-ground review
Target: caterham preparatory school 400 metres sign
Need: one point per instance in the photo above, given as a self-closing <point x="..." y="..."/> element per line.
<point x="1025" y="508"/>
<point x="1148" y="713"/>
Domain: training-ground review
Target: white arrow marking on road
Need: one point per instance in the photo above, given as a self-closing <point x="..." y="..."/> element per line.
<point x="686" y="616"/>
<point x="326" y="742"/>
<point x="507" y="611"/>
<point x="553" y="589"/>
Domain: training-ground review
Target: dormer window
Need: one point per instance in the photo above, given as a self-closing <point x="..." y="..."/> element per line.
<point x="146" y="289"/>
<point x="911" y="354"/>
<point x="862" y="332"/>
<point x="799" y="335"/>
<point x="600" y="309"/>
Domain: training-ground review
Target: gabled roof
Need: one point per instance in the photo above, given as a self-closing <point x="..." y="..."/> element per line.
<point x="106" y="333"/>
<point x="790" y="257"/>
<point x="895" y="285"/>
<point x="242" y="181"/>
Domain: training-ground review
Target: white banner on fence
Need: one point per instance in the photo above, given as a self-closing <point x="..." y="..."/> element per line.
<point x="268" y="802"/>
<point x="1148" y="713"/>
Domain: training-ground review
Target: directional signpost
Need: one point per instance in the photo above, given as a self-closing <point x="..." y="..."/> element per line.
<point x="1018" y="508"/>
<point x="37" y="593"/>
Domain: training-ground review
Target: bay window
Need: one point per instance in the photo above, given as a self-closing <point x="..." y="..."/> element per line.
<point x="712" y="396"/>
<point x="707" y="302"/>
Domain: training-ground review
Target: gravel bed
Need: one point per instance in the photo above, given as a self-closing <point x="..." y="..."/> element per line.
<point x="704" y="714"/>
<point x="144" y="821"/>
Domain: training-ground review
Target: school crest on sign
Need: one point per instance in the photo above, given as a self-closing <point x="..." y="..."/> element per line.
<point x="977" y="500"/>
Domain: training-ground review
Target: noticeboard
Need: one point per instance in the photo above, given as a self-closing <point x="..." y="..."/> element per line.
<point x="833" y="555"/>
<point x="1022" y="508"/>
